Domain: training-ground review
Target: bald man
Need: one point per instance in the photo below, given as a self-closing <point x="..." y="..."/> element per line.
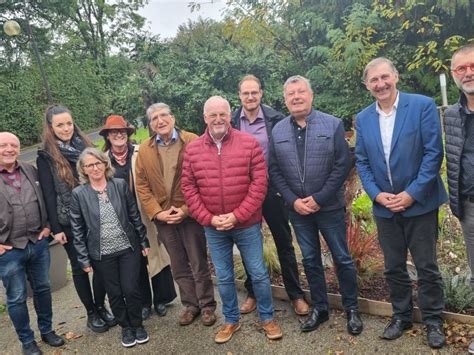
<point x="24" y="246"/>
<point x="224" y="183"/>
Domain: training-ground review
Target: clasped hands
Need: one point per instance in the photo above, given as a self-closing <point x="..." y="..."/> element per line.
<point x="306" y="206"/>
<point x="172" y="215"/>
<point x="224" y="222"/>
<point x="395" y="202"/>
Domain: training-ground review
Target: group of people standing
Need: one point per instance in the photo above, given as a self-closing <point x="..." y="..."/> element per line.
<point x="130" y="213"/>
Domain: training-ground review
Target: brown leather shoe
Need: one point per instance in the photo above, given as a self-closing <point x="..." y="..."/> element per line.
<point x="226" y="332"/>
<point x="300" y="306"/>
<point x="272" y="329"/>
<point x="187" y="317"/>
<point x="208" y="317"/>
<point x="249" y="305"/>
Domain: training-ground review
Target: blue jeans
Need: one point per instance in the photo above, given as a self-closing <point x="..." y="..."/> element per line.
<point x="249" y="241"/>
<point x="332" y="226"/>
<point x="16" y="265"/>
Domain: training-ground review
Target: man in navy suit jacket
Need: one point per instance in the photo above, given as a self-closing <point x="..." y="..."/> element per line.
<point x="399" y="153"/>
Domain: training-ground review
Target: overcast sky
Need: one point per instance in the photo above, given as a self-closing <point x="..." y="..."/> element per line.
<point x="165" y="16"/>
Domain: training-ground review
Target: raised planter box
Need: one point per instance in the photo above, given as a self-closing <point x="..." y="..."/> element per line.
<point x="376" y="308"/>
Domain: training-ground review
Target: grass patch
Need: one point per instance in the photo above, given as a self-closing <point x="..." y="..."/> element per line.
<point x="3" y="308"/>
<point x="140" y="135"/>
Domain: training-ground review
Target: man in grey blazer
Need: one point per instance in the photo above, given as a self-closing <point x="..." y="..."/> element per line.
<point x="24" y="248"/>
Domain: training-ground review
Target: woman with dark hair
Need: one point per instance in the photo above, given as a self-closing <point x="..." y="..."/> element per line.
<point x="61" y="146"/>
<point x="108" y="237"/>
<point x="122" y="154"/>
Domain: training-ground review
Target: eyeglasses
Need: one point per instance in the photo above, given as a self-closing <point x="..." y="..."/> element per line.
<point x="161" y="115"/>
<point x="97" y="165"/>
<point x="250" y="93"/>
<point x="462" y="69"/>
<point x="116" y="132"/>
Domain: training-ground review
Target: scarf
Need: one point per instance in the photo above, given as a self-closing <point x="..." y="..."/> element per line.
<point x="120" y="158"/>
<point x="72" y="150"/>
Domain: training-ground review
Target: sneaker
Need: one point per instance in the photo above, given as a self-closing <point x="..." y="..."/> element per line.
<point x="141" y="335"/>
<point x="128" y="338"/>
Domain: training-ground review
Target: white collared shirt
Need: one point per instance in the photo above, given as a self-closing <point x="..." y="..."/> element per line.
<point x="387" y="122"/>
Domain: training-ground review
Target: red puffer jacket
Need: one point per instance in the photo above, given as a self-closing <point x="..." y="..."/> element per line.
<point x="232" y="180"/>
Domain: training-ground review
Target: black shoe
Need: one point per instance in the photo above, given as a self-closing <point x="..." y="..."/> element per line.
<point x="146" y="313"/>
<point x="141" y="335"/>
<point x="31" y="349"/>
<point x="106" y="316"/>
<point x="435" y="336"/>
<point x="354" y="322"/>
<point x="395" y="328"/>
<point x="128" y="337"/>
<point x="314" y="319"/>
<point x="96" y="323"/>
<point x="160" y="309"/>
<point x="52" y="339"/>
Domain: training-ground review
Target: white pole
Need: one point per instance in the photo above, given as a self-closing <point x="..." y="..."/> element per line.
<point x="444" y="94"/>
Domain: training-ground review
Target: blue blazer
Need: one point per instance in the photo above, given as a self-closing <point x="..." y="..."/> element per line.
<point x="415" y="157"/>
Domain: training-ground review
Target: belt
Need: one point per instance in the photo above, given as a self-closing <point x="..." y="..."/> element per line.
<point x="468" y="198"/>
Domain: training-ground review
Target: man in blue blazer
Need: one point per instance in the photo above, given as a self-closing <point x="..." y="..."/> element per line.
<point x="399" y="152"/>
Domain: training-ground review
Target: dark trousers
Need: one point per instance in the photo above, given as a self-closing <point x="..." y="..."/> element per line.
<point x="417" y="234"/>
<point x="162" y="285"/>
<point x="276" y="216"/>
<point x="332" y="226"/>
<point x="120" y="273"/>
<point x="81" y="278"/>
<point x="186" y="246"/>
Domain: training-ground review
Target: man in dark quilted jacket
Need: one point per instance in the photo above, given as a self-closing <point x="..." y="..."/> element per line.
<point x="459" y="129"/>
<point x="309" y="162"/>
<point x="224" y="182"/>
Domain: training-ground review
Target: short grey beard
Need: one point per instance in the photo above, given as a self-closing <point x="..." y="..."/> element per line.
<point x="464" y="90"/>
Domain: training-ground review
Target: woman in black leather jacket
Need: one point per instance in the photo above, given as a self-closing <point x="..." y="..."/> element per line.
<point x="110" y="238"/>
<point x="62" y="142"/>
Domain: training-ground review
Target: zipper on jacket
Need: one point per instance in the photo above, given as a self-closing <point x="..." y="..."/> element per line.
<point x="220" y="175"/>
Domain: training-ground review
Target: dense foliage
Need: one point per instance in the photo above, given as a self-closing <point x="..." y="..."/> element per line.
<point x="99" y="60"/>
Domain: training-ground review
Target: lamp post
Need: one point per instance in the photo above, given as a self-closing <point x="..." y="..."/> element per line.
<point x="12" y="29"/>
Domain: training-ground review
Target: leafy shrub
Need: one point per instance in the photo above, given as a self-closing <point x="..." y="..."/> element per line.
<point x="362" y="207"/>
<point x="364" y="249"/>
<point x="458" y="294"/>
<point x="270" y="258"/>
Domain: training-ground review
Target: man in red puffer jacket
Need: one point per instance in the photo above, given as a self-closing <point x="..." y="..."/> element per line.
<point x="224" y="182"/>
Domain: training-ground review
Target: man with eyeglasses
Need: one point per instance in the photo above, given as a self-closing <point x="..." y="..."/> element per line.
<point x="258" y="120"/>
<point x="225" y="182"/>
<point x="158" y="186"/>
<point x="399" y="151"/>
<point x="459" y="130"/>
<point x="24" y="251"/>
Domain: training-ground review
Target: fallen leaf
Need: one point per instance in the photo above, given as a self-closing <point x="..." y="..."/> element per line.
<point x="72" y="336"/>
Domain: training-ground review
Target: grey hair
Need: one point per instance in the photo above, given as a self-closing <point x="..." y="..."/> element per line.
<point x="295" y="79"/>
<point x="374" y="63"/>
<point x="468" y="48"/>
<point x="156" y="107"/>
<point x="101" y="156"/>
<point x="215" y="98"/>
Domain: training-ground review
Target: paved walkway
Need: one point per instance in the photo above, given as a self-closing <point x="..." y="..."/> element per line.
<point x="167" y="337"/>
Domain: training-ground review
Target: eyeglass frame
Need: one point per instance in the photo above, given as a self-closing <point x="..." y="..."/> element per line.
<point x="463" y="67"/>
<point x="91" y="166"/>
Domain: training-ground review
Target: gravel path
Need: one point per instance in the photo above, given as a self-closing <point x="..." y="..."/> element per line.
<point x="167" y="337"/>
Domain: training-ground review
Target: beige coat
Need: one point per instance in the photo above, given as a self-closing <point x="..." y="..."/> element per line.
<point x="158" y="257"/>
